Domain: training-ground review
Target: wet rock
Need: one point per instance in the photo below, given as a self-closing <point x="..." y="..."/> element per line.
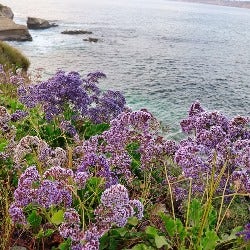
<point x="39" y="23"/>
<point x="6" y="12"/>
<point x="10" y="31"/>
<point x="76" y="32"/>
<point x="91" y="39"/>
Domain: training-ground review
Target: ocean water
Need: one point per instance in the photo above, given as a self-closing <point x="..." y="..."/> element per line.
<point x="162" y="55"/>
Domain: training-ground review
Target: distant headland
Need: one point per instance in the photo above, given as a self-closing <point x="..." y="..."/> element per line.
<point x="239" y="4"/>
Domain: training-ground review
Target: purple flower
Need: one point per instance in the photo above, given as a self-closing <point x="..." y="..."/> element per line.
<point x="68" y="91"/>
<point x="67" y="127"/>
<point x="70" y="230"/>
<point x="59" y="173"/>
<point x="18" y="115"/>
<point x="17" y="215"/>
<point x="245" y="233"/>
<point x="80" y="179"/>
<point x="216" y="141"/>
<point x="71" y="216"/>
<point x="116" y="208"/>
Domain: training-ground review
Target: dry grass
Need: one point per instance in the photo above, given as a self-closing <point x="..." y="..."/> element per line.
<point x="11" y="57"/>
<point x="5" y="222"/>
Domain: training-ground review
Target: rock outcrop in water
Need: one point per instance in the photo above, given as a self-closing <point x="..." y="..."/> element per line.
<point x="39" y="23"/>
<point x="76" y="32"/>
<point x="6" y="12"/>
<point x="91" y="39"/>
<point x="9" y="30"/>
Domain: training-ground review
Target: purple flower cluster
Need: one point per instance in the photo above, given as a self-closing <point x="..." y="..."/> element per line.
<point x="41" y="190"/>
<point x="8" y="132"/>
<point x="6" y="129"/>
<point x="97" y="164"/>
<point x="138" y="127"/>
<point x="18" y="115"/>
<point x="47" y="156"/>
<point x="115" y="209"/>
<point x="245" y="233"/>
<point x="83" y="97"/>
<point x="8" y="77"/>
<point x="216" y="141"/>
<point x="70" y="228"/>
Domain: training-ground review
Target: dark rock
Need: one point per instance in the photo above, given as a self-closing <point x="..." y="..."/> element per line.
<point x="76" y="32"/>
<point x="10" y="31"/>
<point x="38" y="23"/>
<point x="91" y="39"/>
<point x="6" y="12"/>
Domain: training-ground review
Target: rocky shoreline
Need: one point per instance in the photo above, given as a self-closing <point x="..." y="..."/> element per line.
<point x="11" y="31"/>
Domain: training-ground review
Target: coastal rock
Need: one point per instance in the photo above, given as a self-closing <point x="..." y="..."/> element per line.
<point x="91" y="39"/>
<point x="76" y="32"/>
<point x="39" y="23"/>
<point x="10" y="31"/>
<point x="6" y="12"/>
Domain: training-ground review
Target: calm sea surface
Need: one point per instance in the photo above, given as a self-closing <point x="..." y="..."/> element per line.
<point x="162" y="55"/>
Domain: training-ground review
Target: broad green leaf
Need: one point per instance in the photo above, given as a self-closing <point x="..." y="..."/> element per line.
<point x="142" y="247"/>
<point x="160" y="241"/>
<point x="34" y="219"/>
<point x="122" y="231"/>
<point x="210" y="241"/>
<point x="65" y="245"/>
<point x="170" y="224"/>
<point x="180" y="229"/>
<point x="152" y="231"/>
<point x="195" y="212"/>
<point x="133" y="221"/>
<point x="57" y="217"/>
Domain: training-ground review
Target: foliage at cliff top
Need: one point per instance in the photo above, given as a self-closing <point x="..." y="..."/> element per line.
<point x="12" y="58"/>
<point x="80" y="170"/>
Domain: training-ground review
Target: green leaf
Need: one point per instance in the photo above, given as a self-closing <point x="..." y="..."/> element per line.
<point x="133" y="221"/>
<point x="34" y="219"/>
<point x="195" y="212"/>
<point x="65" y="245"/>
<point x="170" y="224"/>
<point x="160" y="241"/>
<point x="180" y="229"/>
<point x="57" y="217"/>
<point x="49" y="232"/>
<point x="3" y="144"/>
<point x="142" y="247"/>
<point x="210" y="241"/>
<point x="152" y="231"/>
<point x="122" y="231"/>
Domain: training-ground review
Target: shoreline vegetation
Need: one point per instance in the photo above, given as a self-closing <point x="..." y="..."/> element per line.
<point x="80" y="170"/>
<point x="11" y="57"/>
<point x="238" y="4"/>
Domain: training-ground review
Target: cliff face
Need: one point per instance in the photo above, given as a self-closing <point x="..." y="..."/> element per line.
<point x="6" y="12"/>
<point x="9" y="30"/>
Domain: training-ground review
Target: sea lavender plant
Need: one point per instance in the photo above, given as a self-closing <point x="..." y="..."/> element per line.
<point x="114" y="210"/>
<point x="138" y="127"/>
<point x="68" y="91"/>
<point x="7" y="133"/>
<point x="46" y="155"/>
<point x="217" y="143"/>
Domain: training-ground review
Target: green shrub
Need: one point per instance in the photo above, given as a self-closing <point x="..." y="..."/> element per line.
<point x="11" y="57"/>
